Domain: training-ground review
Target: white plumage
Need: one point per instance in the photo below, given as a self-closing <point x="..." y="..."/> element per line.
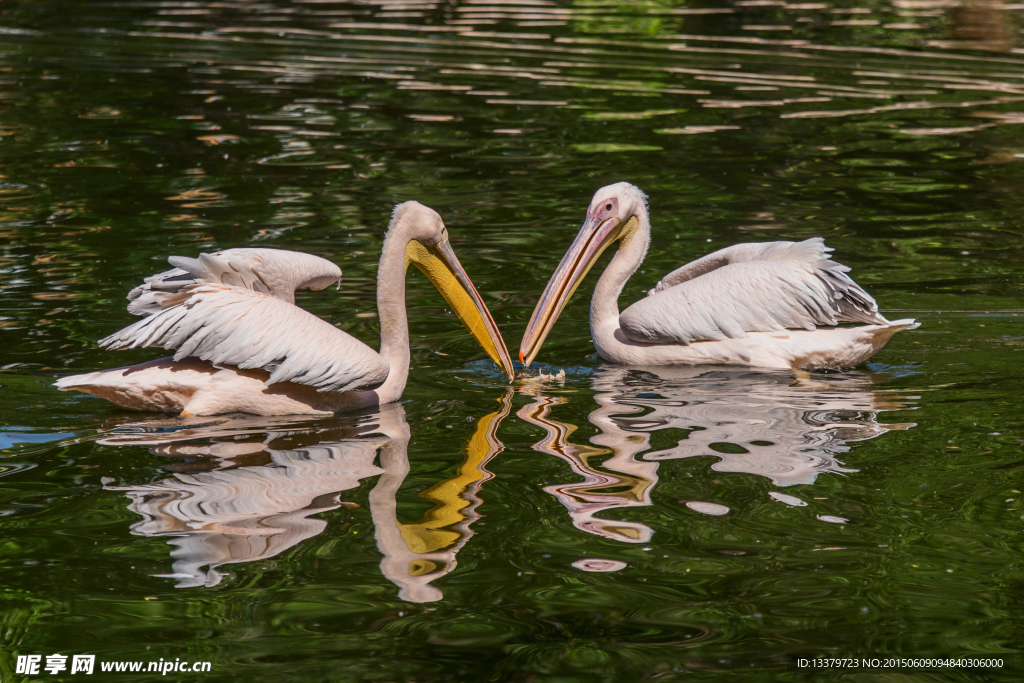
<point x="243" y="328"/>
<point x="277" y="272"/>
<point x="744" y="288"/>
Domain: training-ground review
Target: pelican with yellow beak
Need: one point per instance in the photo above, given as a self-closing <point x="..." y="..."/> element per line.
<point x="243" y="346"/>
<point x="771" y="305"/>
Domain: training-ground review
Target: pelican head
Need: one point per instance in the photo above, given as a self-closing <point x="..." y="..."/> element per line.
<point x="614" y="214"/>
<point x="429" y="250"/>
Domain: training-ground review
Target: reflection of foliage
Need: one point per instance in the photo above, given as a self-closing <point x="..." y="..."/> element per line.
<point x="631" y="17"/>
<point x="20" y="618"/>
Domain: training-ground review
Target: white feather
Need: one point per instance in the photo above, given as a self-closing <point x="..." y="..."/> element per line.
<point x="767" y="287"/>
<point x="277" y="272"/>
<point x="240" y="327"/>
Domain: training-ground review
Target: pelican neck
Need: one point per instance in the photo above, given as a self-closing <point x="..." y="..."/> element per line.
<point x="394" y="322"/>
<point x="604" y="305"/>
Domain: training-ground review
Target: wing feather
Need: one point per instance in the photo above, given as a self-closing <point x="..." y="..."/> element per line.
<point x="237" y="326"/>
<point x="747" y="288"/>
<point x="277" y="272"/>
<point x="812" y="250"/>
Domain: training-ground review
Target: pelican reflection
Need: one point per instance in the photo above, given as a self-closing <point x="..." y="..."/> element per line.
<point x="622" y="481"/>
<point x="417" y="553"/>
<point x="263" y="481"/>
<point x="785" y="427"/>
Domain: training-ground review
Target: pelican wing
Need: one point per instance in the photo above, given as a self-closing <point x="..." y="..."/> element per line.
<point x="277" y="272"/>
<point x="240" y="327"/>
<point x="750" y="288"/>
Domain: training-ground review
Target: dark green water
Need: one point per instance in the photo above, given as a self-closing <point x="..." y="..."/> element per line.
<point x="616" y="526"/>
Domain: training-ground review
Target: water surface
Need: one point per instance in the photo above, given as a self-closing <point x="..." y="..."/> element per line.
<point x="616" y="524"/>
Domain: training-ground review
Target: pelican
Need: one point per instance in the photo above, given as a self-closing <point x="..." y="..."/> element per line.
<point x="771" y="305"/>
<point x="243" y="346"/>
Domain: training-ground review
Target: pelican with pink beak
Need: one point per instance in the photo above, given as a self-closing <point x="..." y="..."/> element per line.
<point x="770" y="304"/>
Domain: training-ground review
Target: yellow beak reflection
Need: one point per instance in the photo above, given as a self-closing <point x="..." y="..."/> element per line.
<point x="418" y="553"/>
<point x="456" y="499"/>
<point x="442" y="268"/>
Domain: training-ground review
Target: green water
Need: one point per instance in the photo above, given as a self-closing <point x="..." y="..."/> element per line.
<point x="617" y="525"/>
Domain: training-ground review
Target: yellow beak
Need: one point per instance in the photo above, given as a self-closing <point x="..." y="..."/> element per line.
<point x="442" y="268"/>
<point x="593" y="238"/>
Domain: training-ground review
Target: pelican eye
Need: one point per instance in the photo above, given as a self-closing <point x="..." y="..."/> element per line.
<point x="607" y="207"/>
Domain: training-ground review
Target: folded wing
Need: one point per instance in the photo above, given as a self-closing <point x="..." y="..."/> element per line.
<point x="240" y="327"/>
<point x="277" y="272"/>
<point x="746" y="288"/>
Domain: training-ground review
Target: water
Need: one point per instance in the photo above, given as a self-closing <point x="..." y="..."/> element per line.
<point x="614" y="525"/>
